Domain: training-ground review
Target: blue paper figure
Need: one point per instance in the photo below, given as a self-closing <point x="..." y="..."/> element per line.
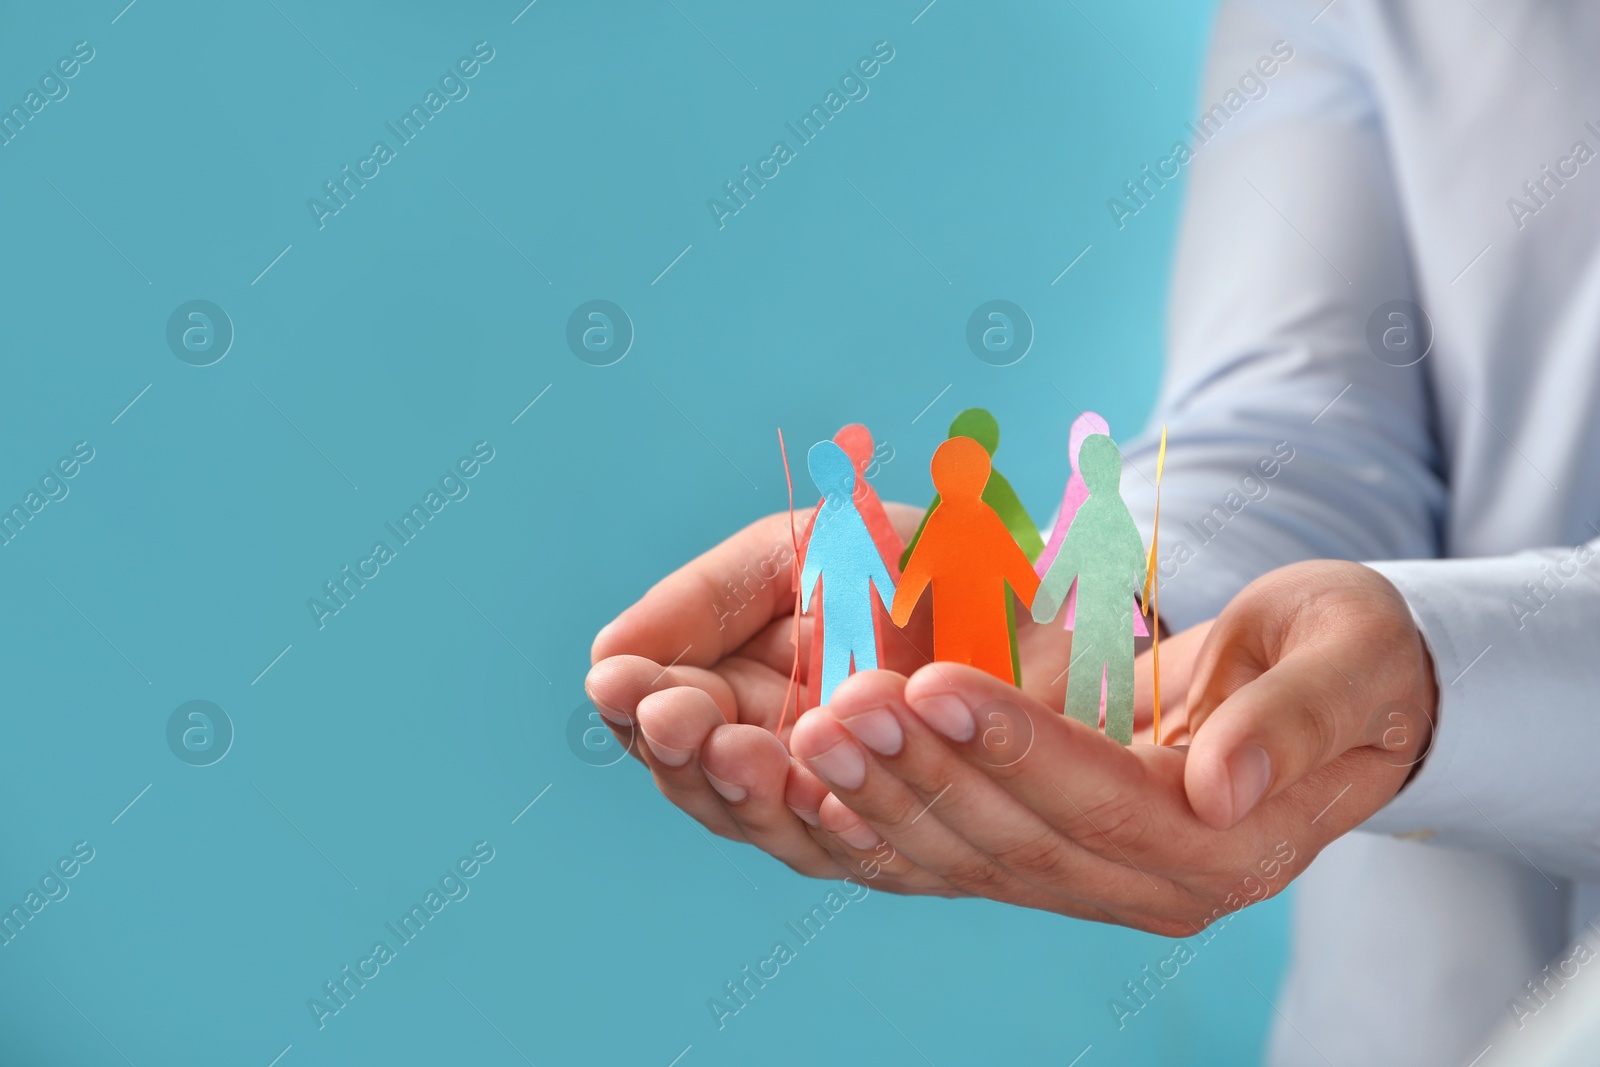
<point x="843" y="555"/>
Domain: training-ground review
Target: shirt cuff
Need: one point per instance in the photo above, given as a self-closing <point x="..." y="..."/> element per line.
<point x="1509" y="767"/>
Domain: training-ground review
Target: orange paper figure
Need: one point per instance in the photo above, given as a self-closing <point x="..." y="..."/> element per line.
<point x="856" y="440"/>
<point x="968" y="558"/>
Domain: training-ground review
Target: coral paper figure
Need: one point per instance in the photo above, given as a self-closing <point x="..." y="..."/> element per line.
<point x="982" y="427"/>
<point x="968" y="557"/>
<point x="856" y="440"/>
<point x="841" y="553"/>
<point x="1103" y="552"/>
<point x="1085" y="424"/>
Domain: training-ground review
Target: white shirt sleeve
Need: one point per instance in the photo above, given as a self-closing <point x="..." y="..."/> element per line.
<point x="1511" y="768"/>
<point x="1289" y="439"/>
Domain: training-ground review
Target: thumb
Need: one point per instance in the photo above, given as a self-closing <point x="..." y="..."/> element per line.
<point x="1271" y="732"/>
<point x="1278" y="697"/>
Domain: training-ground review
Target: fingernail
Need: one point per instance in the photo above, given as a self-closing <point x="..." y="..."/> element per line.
<point x="611" y="715"/>
<point x="732" y="792"/>
<point x="842" y="765"/>
<point x="1249" y="771"/>
<point x="947" y="714"/>
<point x="878" y="729"/>
<point x="672" y="757"/>
<point x="861" y="836"/>
<point x="807" y="817"/>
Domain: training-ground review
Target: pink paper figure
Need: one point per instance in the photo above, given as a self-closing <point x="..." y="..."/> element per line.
<point x="1076" y="493"/>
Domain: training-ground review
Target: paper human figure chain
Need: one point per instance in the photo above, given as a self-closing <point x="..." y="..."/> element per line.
<point x="974" y="555"/>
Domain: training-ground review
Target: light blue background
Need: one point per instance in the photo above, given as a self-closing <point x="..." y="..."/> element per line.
<point x="393" y="339"/>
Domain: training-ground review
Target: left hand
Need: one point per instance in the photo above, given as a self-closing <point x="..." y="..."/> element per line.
<point x="1294" y="742"/>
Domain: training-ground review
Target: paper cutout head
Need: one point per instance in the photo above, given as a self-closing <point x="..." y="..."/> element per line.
<point x="961" y="467"/>
<point x="856" y="440"/>
<point x="980" y="426"/>
<point x="832" y="470"/>
<point x="1084" y="425"/>
<point x="1100" y="464"/>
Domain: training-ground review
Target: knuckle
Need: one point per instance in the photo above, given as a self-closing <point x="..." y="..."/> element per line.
<point x="896" y="811"/>
<point x="1118" y="824"/>
<point x="1040" y="858"/>
<point x="1320" y="734"/>
<point x="979" y="875"/>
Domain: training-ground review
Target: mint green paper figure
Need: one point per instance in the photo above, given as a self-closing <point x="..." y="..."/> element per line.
<point x="843" y="555"/>
<point x="1104" y="553"/>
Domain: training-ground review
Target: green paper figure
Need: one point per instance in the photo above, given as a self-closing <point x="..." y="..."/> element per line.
<point x="982" y="427"/>
<point x="1104" y="553"/>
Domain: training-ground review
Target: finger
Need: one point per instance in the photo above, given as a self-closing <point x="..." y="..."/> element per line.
<point x="871" y="857"/>
<point x="759" y="693"/>
<point x="749" y="769"/>
<point x="1270" y="732"/>
<point x="850" y="741"/>
<point x="674" y="724"/>
<point x="805" y="793"/>
<point x="773" y="647"/>
<point x="1307" y="663"/>
<point x="1015" y="748"/>
<point x="616" y="686"/>
<point x="704" y="610"/>
<point x="834" y="827"/>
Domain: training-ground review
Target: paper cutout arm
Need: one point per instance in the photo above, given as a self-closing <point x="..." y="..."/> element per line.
<point x="911" y="545"/>
<point x="882" y="581"/>
<point x="914" y="579"/>
<point x="1020" y="576"/>
<point x="1056" y="582"/>
<point x="1138" y="562"/>
<point x="812" y="570"/>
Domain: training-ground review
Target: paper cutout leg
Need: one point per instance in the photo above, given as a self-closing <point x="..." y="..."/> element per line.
<point x="849" y="646"/>
<point x="1102" y="672"/>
